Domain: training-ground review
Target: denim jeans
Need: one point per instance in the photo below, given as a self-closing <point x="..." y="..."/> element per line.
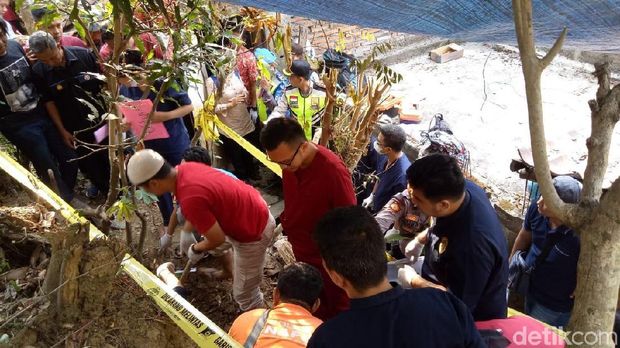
<point x="537" y="311"/>
<point x="39" y="140"/>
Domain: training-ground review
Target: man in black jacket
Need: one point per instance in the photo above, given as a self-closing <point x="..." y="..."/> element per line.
<point x="70" y="81"/>
<point x="24" y="123"/>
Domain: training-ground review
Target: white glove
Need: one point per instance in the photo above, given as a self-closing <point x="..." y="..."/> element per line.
<point x="165" y="267"/>
<point x="165" y="241"/>
<point x="367" y="203"/>
<point x="194" y="256"/>
<point x="392" y="234"/>
<point x="405" y="275"/>
<point x="186" y="241"/>
<point x="414" y="249"/>
<point x="253" y="115"/>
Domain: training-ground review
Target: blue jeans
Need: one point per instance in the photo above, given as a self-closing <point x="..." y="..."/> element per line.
<point x="537" y="311"/>
<point x="39" y="140"/>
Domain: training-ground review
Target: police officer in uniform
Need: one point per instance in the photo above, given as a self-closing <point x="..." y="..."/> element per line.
<point x="69" y="80"/>
<point x="305" y="101"/>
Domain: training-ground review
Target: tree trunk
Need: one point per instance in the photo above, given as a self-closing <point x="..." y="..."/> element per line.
<point x="598" y="272"/>
<point x="26" y="15"/>
<point x="80" y="273"/>
<point x="67" y="305"/>
<point x="596" y="220"/>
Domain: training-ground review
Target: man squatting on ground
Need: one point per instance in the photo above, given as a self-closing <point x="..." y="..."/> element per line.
<point x="221" y="208"/>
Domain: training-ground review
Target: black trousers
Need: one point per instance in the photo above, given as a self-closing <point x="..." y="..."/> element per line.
<point x="95" y="165"/>
<point x="243" y="161"/>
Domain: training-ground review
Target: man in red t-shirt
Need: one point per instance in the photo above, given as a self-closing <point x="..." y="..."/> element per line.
<point x="314" y="181"/>
<point x="221" y="208"/>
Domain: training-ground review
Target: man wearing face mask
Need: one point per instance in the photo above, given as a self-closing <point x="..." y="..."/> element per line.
<point x="314" y="181"/>
<point x="391" y="167"/>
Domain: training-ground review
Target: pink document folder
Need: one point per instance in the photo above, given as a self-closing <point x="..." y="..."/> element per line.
<point x="136" y="113"/>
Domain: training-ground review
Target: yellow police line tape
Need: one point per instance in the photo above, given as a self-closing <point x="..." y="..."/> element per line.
<point x="205" y="118"/>
<point x="195" y="324"/>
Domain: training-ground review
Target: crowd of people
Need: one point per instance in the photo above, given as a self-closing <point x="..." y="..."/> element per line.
<point x="340" y="291"/>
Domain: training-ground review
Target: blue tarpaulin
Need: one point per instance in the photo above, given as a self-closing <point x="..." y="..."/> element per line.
<point x="593" y="25"/>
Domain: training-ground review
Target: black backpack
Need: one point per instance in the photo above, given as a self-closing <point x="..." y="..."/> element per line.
<point x="440" y="139"/>
<point x="343" y="62"/>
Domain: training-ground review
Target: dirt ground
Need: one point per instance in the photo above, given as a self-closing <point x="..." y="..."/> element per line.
<point x="482" y="96"/>
<point x="129" y="310"/>
<point x="129" y="319"/>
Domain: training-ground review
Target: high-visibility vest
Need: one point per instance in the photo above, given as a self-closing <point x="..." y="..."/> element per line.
<point x="307" y="110"/>
<point x="261" y="107"/>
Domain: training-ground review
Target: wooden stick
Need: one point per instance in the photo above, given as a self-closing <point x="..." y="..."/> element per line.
<point x="185" y="275"/>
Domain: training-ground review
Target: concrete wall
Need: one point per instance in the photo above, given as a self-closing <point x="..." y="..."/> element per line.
<point x="359" y="41"/>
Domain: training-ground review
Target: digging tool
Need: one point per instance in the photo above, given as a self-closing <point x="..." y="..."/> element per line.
<point x="186" y="271"/>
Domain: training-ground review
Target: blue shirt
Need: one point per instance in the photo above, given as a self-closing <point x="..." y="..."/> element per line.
<point x="400" y="318"/>
<point x="179" y="141"/>
<point x="391" y="181"/>
<point x="467" y="253"/>
<point x="553" y="282"/>
<point x="366" y="165"/>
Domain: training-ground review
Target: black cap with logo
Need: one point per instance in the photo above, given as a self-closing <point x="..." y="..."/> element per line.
<point x="299" y="68"/>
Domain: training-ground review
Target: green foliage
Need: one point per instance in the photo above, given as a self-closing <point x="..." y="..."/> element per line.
<point x="385" y="74"/>
<point x="123" y="209"/>
<point x="146" y="197"/>
<point x="394" y="238"/>
<point x="13" y="284"/>
<point x="4" y="265"/>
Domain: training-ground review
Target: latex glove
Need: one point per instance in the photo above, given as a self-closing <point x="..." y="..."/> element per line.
<point x="194" y="256"/>
<point x="165" y="241"/>
<point x="186" y="241"/>
<point x="406" y="275"/>
<point x="254" y="115"/>
<point x="392" y="234"/>
<point x="414" y="249"/>
<point x="367" y="203"/>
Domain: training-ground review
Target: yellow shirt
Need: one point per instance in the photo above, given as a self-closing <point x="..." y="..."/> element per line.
<point x="288" y="325"/>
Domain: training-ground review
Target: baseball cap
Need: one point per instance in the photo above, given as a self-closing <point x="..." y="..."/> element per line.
<point x="143" y="166"/>
<point x="568" y="188"/>
<point x="299" y="68"/>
